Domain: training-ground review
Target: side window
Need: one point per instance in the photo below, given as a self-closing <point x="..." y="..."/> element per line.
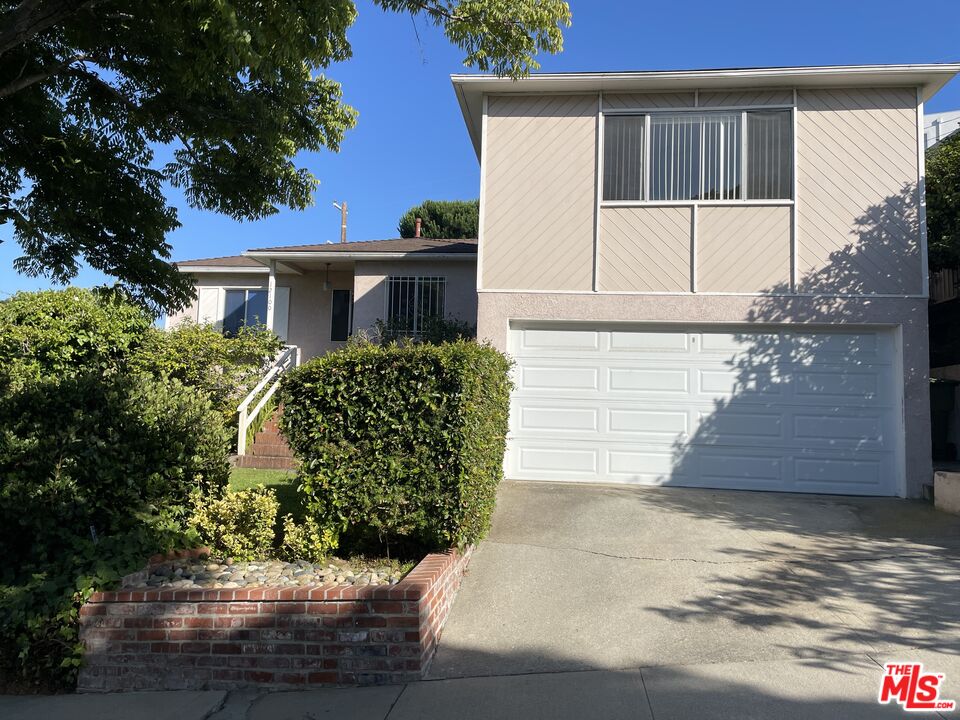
<point x="244" y="307"/>
<point x="341" y="315"/>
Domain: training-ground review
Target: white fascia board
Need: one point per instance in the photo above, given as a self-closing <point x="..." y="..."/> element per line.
<point x="222" y="270"/>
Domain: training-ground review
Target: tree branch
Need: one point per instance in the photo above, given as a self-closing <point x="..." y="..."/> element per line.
<point x="32" y="17"/>
<point x="24" y="82"/>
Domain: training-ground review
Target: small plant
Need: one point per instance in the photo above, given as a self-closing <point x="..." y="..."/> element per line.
<point x="307" y="540"/>
<point x="239" y="523"/>
<point x="433" y="329"/>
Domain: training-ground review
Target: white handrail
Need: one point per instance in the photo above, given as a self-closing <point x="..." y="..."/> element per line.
<point x="287" y="358"/>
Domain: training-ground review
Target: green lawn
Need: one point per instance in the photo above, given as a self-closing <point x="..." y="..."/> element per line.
<point x="284" y="482"/>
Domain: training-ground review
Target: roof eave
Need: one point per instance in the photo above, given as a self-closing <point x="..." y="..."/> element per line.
<point x="471" y="88"/>
<point x="263" y="255"/>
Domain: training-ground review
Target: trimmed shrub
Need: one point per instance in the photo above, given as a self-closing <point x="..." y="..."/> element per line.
<point x="406" y="442"/>
<point x="306" y="540"/>
<point x="62" y="332"/>
<point x="238" y="523"/>
<point x="224" y="368"/>
<point x="82" y="455"/>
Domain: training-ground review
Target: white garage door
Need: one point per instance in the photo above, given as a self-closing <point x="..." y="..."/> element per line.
<point x="767" y="409"/>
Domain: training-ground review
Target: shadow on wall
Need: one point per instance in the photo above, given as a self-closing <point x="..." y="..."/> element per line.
<point x="772" y="370"/>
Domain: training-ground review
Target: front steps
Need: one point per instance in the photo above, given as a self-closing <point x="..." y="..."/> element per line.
<point x="269" y="450"/>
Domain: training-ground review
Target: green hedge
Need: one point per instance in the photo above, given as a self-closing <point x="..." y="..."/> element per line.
<point x="407" y="442"/>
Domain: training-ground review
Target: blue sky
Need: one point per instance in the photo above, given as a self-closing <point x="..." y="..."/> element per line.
<point x="410" y="143"/>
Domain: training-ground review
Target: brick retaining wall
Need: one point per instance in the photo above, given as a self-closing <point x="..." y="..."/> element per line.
<point x="223" y="639"/>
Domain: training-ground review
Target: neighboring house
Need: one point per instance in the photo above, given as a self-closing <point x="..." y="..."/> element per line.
<point x="937" y="126"/>
<point x="323" y="293"/>
<point x="709" y="278"/>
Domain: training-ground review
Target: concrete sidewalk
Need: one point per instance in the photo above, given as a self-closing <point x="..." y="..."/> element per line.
<point x="793" y="690"/>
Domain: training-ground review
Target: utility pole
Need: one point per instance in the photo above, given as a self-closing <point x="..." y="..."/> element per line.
<point x="342" y="207"/>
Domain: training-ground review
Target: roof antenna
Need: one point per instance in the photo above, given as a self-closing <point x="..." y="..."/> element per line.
<point x="342" y="207"/>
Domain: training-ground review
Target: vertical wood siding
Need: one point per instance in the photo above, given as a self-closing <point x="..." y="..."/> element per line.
<point x="743" y="249"/>
<point x="645" y="249"/>
<point x="857" y="187"/>
<point x="540" y="192"/>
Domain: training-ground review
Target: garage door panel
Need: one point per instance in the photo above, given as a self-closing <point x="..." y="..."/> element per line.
<point x="847" y="385"/>
<point x="552" y="419"/>
<point x="731" y="427"/>
<point x="733" y="467"/>
<point x="720" y="383"/>
<point x="559" y="341"/>
<point x="644" y="422"/>
<point x="558" y="378"/>
<point x="859" y="475"/>
<point x="839" y="347"/>
<point x="649" y="380"/>
<point x="782" y="409"/>
<point x="561" y="461"/>
<point x="730" y="344"/>
<point x="670" y="342"/>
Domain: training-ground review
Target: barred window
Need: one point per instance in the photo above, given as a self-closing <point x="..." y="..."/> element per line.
<point x="411" y="300"/>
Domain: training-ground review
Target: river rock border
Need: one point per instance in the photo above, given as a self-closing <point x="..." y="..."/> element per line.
<point x="269" y="637"/>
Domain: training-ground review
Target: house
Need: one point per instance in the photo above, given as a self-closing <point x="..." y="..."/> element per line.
<point x="323" y="293"/>
<point x="938" y="126"/>
<point x="709" y="278"/>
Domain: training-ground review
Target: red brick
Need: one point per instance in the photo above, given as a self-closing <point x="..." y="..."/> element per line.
<point x="217" y="608"/>
<point x="164" y="622"/>
<point x="243" y="608"/>
<point x="371" y="621"/>
<point x="322" y="677"/>
<point x="258" y="676"/>
<point x="225" y="648"/>
<point x="152" y="635"/>
<point x="387" y="607"/>
<point x="228" y="622"/>
<point x="258" y="621"/>
<point x="136" y="622"/>
<point x="322" y="608"/>
<point x="195" y="648"/>
<point x="181" y="634"/>
<point x="292" y="678"/>
<point x="297" y="608"/>
<point x="89" y="609"/>
<point x="164" y="647"/>
<point x="410" y="621"/>
<point x="198" y="622"/>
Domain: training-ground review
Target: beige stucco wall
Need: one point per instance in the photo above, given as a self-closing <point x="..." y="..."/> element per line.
<point x="309" y="313"/>
<point x="370" y="287"/>
<point x="497" y="310"/>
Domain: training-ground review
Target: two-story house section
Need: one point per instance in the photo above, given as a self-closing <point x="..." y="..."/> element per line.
<point x="709" y="278"/>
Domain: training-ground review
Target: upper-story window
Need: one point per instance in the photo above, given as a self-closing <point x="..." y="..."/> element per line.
<point x="683" y="156"/>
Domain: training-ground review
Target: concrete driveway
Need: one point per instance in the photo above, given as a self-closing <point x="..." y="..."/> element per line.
<point x="753" y="597"/>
